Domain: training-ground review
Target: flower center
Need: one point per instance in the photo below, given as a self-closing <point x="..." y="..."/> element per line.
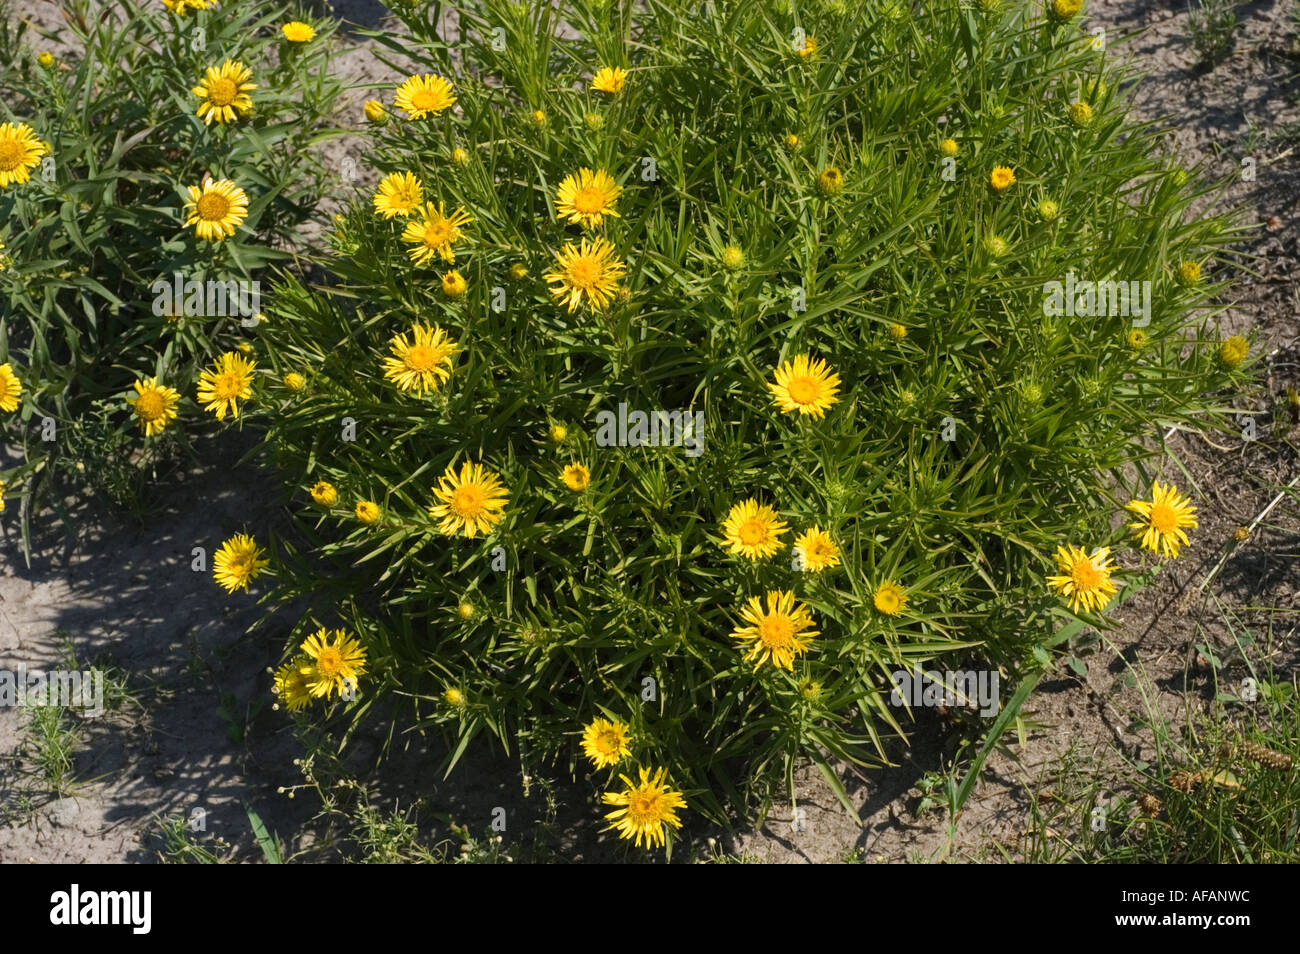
<point x="589" y="200"/>
<point x="1085" y="575"/>
<point x="468" y="500"/>
<point x="608" y="742"/>
<point x="426" y="99"/>
<point x="149" y="405"/>
<point x="642" y="807"/>
<point x="421" y="358"/>
<point x="752" y="532"/>
<point x="775" y="632"/>
<point x="226" y="386"/>
<point x="222" y="92"/>
<point x="887" y="601"/>
<point x="12" y="154"/>
<point x="585" y="273"/>
<point x="803" y="390"/>
<point x="330" y="662"/>
<point x="437" y="234"/>
<point x="1163" y="518"/>
<point x="213" y="206"/>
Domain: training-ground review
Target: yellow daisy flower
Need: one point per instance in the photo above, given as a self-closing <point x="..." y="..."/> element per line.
<point x="778" y="634"/>
<point x="558" y="433"/>
<point x="1165" y="516"/>
<point x="576" y="477"/>
<point x="367" y="511"/>
<point x="336" y="662"/>
<point x="1189" y="273"/>
<point x="1064" y="9"/>
<point x="752" y="530"/>
<point x="1086" y="581"/>
<point x="154" y="405"/>
<point x="830" y="181"/>
<point x="791" y="141"/>
<point x="806" y="385"/>
<point x="809" y="47"/>
<point x="733" y="257"/>
<point x="298" y="32"/>
<point x="460" y="156"/>
<point x="399" y="193"/>
<point x="294" y="381"/>
<point x="324" y="493"/>
<point x="645" y="808"/>
<point x="587" y="196"/>
<point x="609" y="79"/>
<point x="889" y="598"/>
<point x="471" y="501"/>
<point x="421" y="363"/>
<point x="587" y="271"/>
<point x="238" y="562"/>
<point x="224" y="91"/>
<point x="518" y="271"/>
<point x="179" y="7"/>
<point x="292" y="683"/>
<point x="605" y="743"/>
<point x="454" y="284"/>
<point x="1002" y="178"/>
<point x="228" y="382"/>
<point x="20" y="153"/>
<point x="423" y="96"/>
<point x="435" y="233"/>
<point x="948" y="147"/>
<point x="818" y="550"/>
<point x="1232" y="352"/>
<point x="2" y="496"/>
<point x="11" y="389"/>
<point x="454" y="697"/>
<point x="216" y="209"/>
<point x="375" y="111"/>
<point x="1080" y="113"/>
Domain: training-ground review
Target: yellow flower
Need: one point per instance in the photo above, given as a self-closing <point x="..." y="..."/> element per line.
<point x="1232" y="353"/>
<point x="367" y="511"/>
<point x="948" y="147"/>
<point x="778" y="634"/>
<point x="996" y="245"/>
<point x="375" y="111"/>
<point x="454" y="697"/>
<point x="224" y="91"/>
<point x="538" y="118"/>
<point x="216" y="209"/>
<point x="46" y="59"/>
<point x="605" y="743"/>
<point x="752" y="530"/>
<point x="422" y="363"/>
<point x="423" y="96"/>
<point x="1080" y="113"/>
<point x="587" y="196"/>
<point x="435" y="233"/>
<point x="809" y="47"/>
<point x="298" y="32"/>
<point x="733" y="257"/>
<point x="11" y="388"/>
<point x="466" y="611"/>
<point x="609" y="79"/>
<point x="588" y="271"/>
<point x="336" y="662"/>
<point x="817" y="550"/>
<point x="518" y="271"/>
<point x="897" y="332"/>
<point x="459" y="156"/>
<point x="2" y="496"/>
<point x="1086" y="581"/>
<point x="454" y="285"/>
<point x="228" y="382"/>
<point x="1136" y="339"/>
<point x="154" y="405"/>
<point x="830" y="181"/>
<point x="1048" y="210"/>
<point x="292" y="683"/>
<point x="646" y="808"/>
<point x="399" y="193"/>
<point x="20" y="153"/>
<point x="238" y="562"/>
<point x="1002" y="178"/>
<point x="180" y="6"/>
<point x="1189" y="272"/>
<point x="1064" y="9"/>
<point x="889" y="598"/>
<point x="324" y="493"/>
<point x="471" y="501"/>
<point x="558" y="433"/>
<point x="791" y="141"/>
<point x="1166" y="515"/>
<point x="806" y="385"/>
<point x="576" y="477"/>
<point x="294" y="381"/>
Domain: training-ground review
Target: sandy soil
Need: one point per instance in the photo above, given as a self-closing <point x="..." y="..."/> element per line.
<point x="126" y="589"/>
